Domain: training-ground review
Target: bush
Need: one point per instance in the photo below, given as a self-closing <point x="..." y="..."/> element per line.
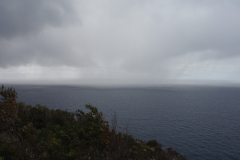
<point x="37" y="132"/>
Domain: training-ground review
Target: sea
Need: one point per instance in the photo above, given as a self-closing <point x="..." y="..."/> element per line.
<point x="199" y="122"/>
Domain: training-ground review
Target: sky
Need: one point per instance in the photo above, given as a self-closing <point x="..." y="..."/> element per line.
<point x="127" y="42"/>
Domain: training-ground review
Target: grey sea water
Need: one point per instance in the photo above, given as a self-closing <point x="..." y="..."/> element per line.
<point x="200" y="122"/>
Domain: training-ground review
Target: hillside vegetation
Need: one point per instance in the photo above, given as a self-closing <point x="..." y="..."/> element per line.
<point x="40" y="133"/>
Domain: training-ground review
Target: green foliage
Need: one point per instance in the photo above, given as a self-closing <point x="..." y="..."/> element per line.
<point x="37" y="132"/>
<point x="153" y="143"/>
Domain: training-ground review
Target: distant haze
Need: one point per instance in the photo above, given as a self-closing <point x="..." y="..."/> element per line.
<point x="123" y="42"/>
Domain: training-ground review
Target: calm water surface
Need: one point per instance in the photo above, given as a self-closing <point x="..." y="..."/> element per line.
<point x="202" y="123"/>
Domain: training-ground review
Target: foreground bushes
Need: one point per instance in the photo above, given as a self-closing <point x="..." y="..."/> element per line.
<point x="37" y="132"/>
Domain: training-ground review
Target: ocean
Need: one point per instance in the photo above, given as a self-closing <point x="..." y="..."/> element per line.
<point x="200" y="122"/>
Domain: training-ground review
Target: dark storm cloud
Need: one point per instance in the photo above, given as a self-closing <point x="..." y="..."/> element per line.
<point x="21" y="17"/>
<point x="125" y="41"/>
<point x="23" y="35"/>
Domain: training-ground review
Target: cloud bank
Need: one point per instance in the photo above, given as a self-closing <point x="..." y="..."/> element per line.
<point x="119" y="42"/>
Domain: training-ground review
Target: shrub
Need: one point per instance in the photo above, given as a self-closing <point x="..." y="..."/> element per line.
<point x="37" y="132"/>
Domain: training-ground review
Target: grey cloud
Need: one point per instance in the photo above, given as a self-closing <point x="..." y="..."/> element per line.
<point x="21" y="17"/>
<point x="31" y="33"/>
<point x="158" y="33"/>
<point x="125" y="40"/>
<point x="43" y="51"/>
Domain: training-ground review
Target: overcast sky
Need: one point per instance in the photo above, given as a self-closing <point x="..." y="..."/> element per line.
<point x="109" y="42"/>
